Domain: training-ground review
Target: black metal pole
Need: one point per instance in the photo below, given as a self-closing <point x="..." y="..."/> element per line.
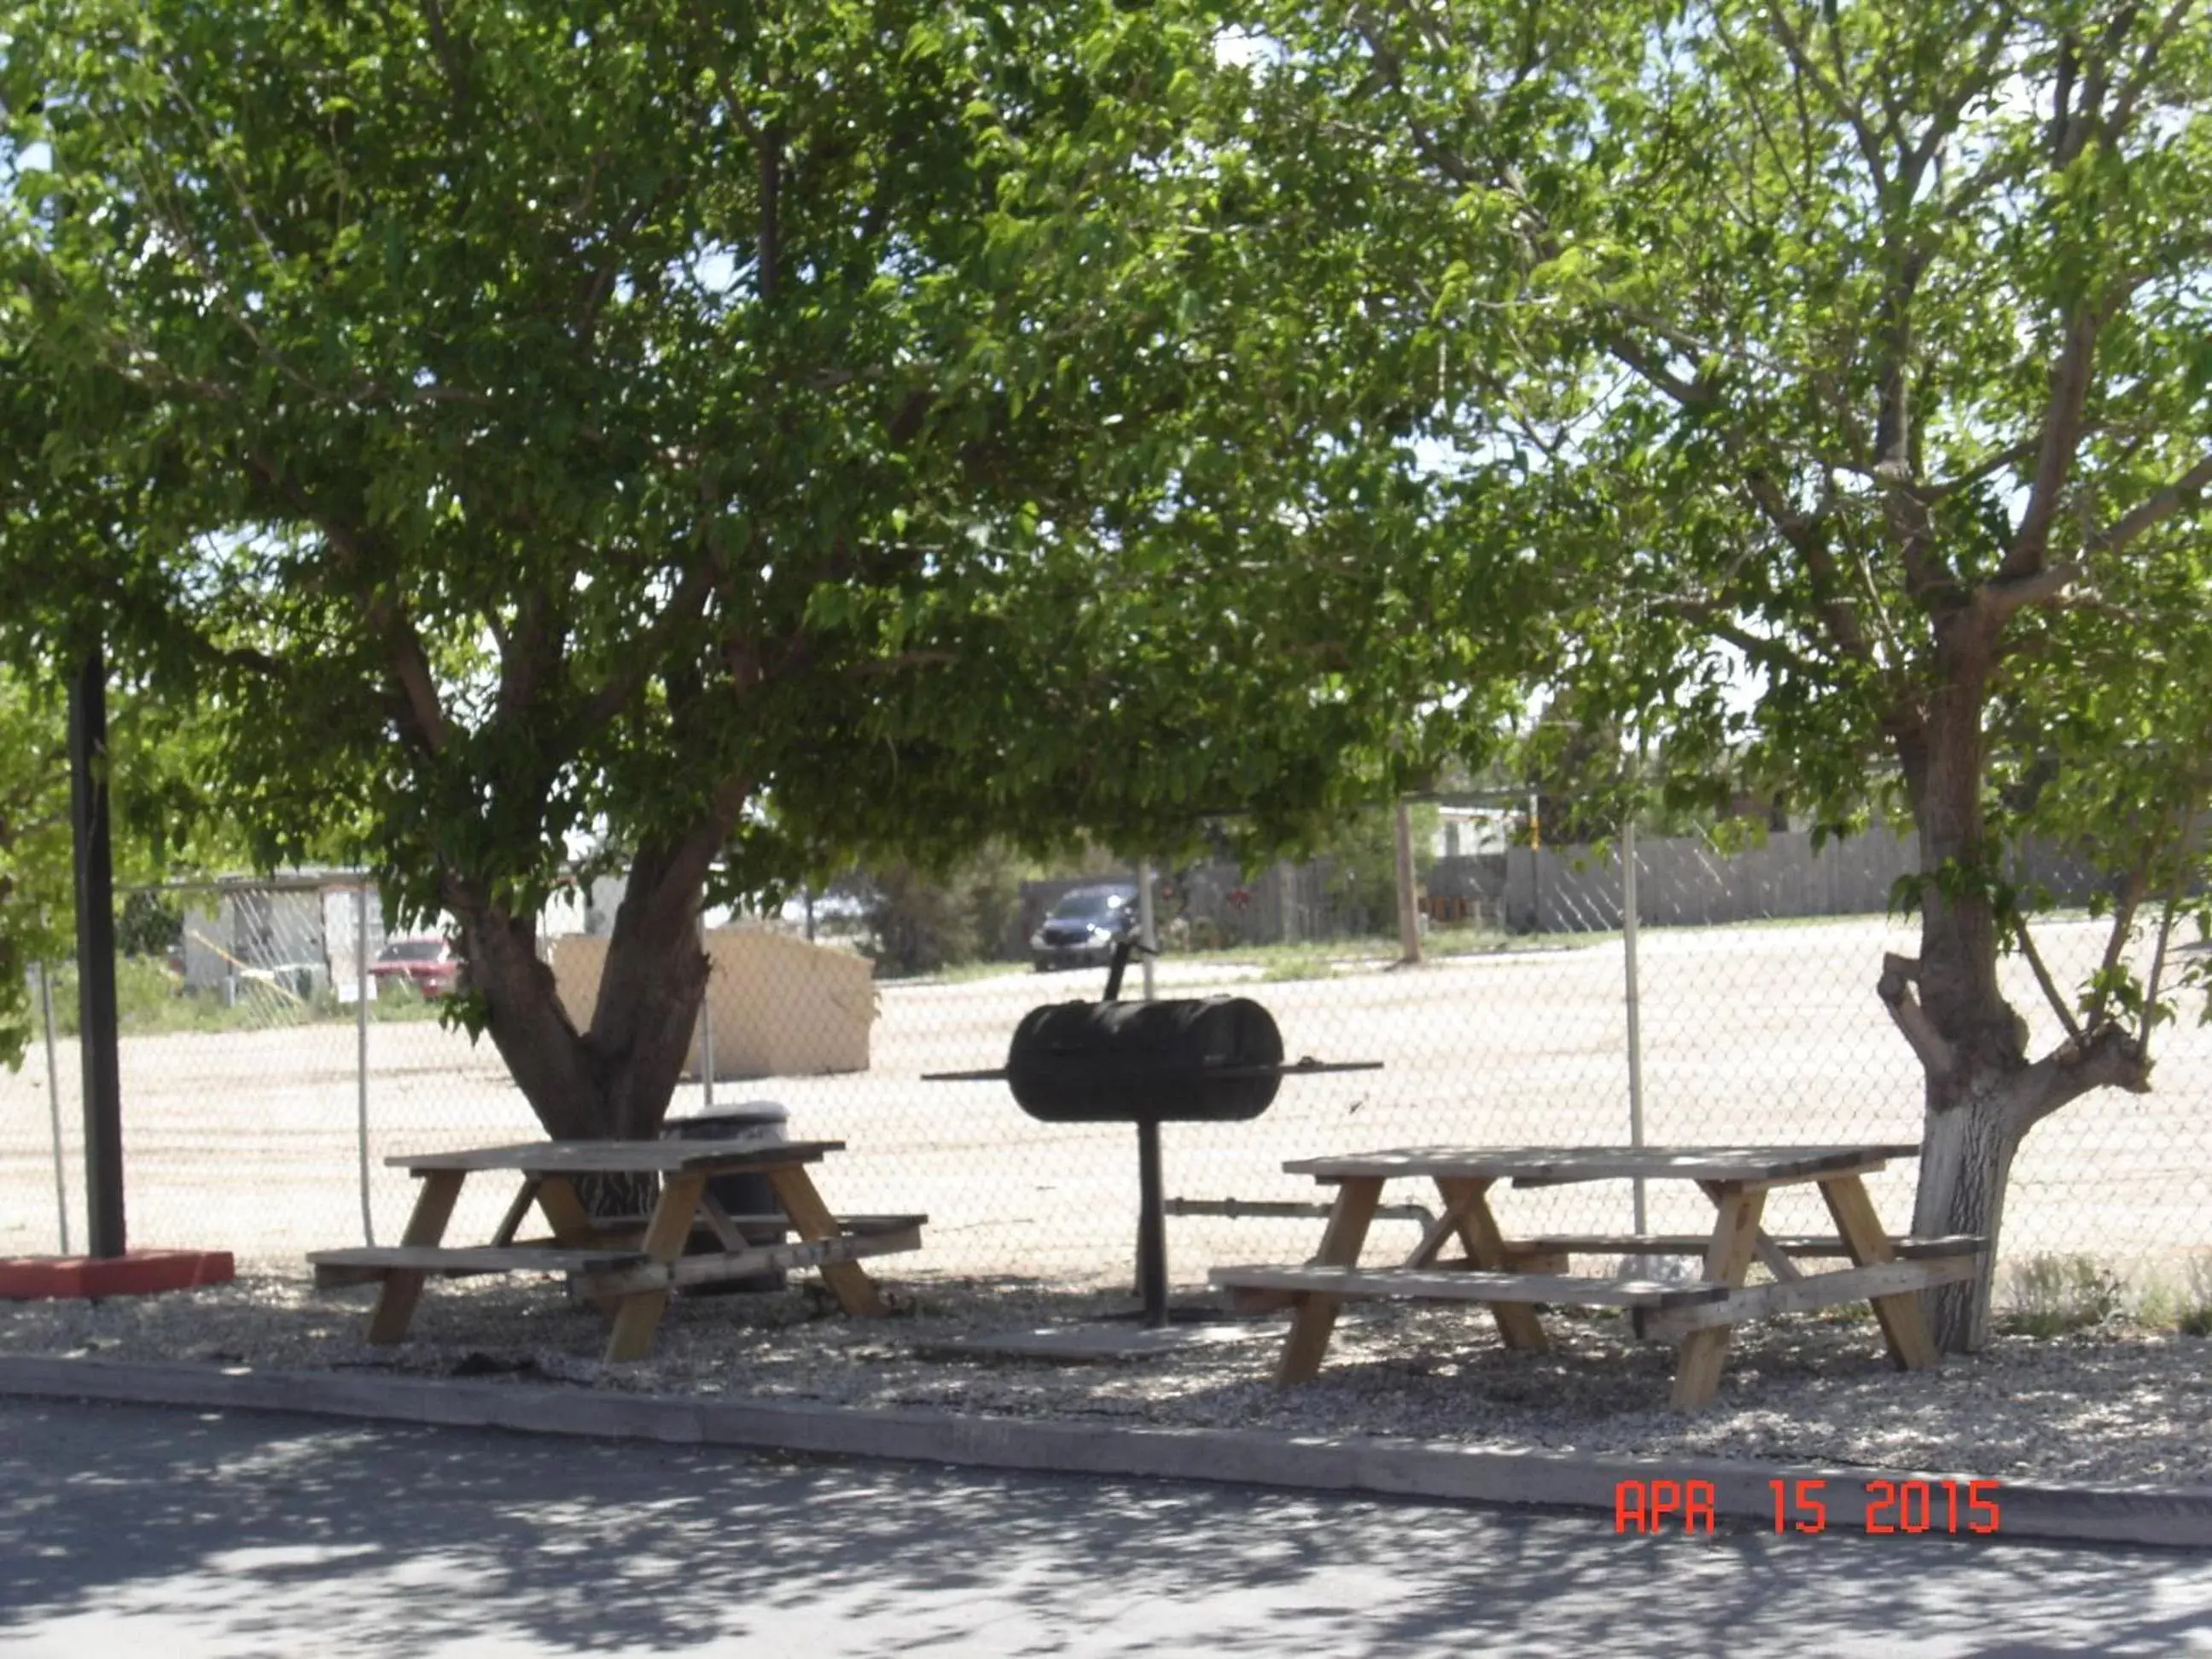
<point x="1151" y="1225"/>
<point x="95" y="957"/>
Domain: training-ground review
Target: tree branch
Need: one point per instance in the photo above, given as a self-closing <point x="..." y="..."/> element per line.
<point x="1832" y="93"/>
<point x="2109" y="1059"/>
<point x="2155" y="509"/>
<point x="2123" y="921"/>
<point x="1710" y="615"/>
<point x="1945" y="121"/>
<point x="1392" y="67"/>
<point x="2063" y="429"/>
<point x="647" y="649"/>
<point x="1632" y="355"/>
<point x="770" y="261"/>
<point x="1894" y="988"/>
<point x="2158" y="961"/>
<point x="529" y="653"/>
<point x="410" y="665"/>
<point x="1912" y="528"/>
<point x="1988" y="467"/>
<point x="2068" y="396"/>
<point x="2043" y="978"/>
<point x="2123" y="106"/>
<point x="423" y="718"/>
<point x="1806" y="535"/>
<point x="2004" y="595"/>
<point x="456" y="79"/>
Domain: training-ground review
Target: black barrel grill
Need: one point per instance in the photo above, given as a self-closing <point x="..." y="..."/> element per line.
<point x="1212" y="1059"/>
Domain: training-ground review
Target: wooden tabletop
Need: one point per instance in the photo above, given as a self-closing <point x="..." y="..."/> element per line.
<point x="1534" y="1166"/>
<point x="543" y="1157"/>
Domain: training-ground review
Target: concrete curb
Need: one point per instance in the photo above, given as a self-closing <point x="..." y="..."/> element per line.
<point x="2178" y="1518"/>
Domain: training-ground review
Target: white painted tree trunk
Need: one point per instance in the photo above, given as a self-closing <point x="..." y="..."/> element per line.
<point x="1966" y="1164"/>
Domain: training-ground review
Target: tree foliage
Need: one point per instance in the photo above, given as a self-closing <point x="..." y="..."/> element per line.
<point x="735" y="440"/>
<point x="158" y="828"/>
<point x="1848" y="362"/>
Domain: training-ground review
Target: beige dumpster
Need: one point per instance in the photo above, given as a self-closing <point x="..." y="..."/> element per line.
<point x="781" y="1007"/>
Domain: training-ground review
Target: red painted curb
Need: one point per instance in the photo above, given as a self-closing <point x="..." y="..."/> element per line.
<point x="136" y="1272"/>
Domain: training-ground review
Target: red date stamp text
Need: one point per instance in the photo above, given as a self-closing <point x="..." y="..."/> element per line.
<point x="1886" y="1506"/>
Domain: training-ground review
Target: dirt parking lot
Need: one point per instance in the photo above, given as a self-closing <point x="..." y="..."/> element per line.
<point x="248" y="1141"/>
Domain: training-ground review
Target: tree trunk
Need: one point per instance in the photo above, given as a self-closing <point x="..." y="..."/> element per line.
<point x="1982" y="1095"/>
<point x="1967" y="1151"/>
<point x="1971" y="1042"/>
<point x="614" y="1081"/>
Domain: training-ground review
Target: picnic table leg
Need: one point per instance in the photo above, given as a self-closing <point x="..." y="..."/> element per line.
<point x="516" y="1212"/>
<point x="1904" y="1326"/>
<point x="665" y="1236"/>
<point x="1517" y="1323"/>
<point x="572" y="1226"/>
<point x="1315" y="1319"/>
<point x="1770" y="1254"/>
<point x="811" y="1220"/>
<point x="403" y="1286"/>
<point x="1727" y="1258"/>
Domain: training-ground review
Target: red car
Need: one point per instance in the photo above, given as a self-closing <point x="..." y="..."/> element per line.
<point x="429" y="964"/>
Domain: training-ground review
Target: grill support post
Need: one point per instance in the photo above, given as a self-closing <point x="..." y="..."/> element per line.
<point x="1214" y="1059"/>
<point x="1151" y="1225"/>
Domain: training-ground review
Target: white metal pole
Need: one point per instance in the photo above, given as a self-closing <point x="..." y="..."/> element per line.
<point x="1634" y="1037"/>
<point x="707" y="1026"/>
<point x="361" y="995"/>
<point x="1535" y="863"/>
<point x="1409" y="923"/>
<point x="54" y="1105"/>
<point x="1147" y="932"/>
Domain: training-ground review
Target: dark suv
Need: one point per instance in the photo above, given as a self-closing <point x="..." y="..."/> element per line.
<point x="1083" y="928"/>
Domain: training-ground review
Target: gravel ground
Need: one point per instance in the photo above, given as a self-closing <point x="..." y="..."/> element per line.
<point x="2117" y="1406"/>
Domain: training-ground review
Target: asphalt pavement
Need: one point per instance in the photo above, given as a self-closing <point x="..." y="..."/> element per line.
<point x="171" y="1533"/>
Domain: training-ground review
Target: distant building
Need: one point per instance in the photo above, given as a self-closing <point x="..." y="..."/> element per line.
<point x="1472" y="831"/>
<point x="296" y="928"/>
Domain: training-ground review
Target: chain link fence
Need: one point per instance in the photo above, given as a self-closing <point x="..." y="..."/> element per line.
<point x="271" y="1063"/>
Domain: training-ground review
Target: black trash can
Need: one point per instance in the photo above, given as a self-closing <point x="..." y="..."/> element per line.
<point x="743" y="1193"/>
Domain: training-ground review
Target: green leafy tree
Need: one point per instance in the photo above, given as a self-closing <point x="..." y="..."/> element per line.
<point x="1851" y="364"/>
<point x="36" y="908"/>
<point x="158" y="828"/>
<point x="920" y="921"/>
<point x="739" y="439"/>
<point x="1360" y="851"/>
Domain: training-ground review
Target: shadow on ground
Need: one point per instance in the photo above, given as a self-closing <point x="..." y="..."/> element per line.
<point x="245" y="1535"/>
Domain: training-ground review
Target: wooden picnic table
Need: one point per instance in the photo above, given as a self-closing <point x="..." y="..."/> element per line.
<point x="627" y="1266"/>
<point x="1515" y="1278"/>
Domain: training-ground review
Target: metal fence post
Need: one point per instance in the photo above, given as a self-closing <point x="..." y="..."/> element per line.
<point x="54" y="1105"/>
<point x="1535" y="866"/>
<point x="361" y="994"/>
<point x="1409" y="924"/>
<point x="1151" y="1225"/>
<point x="97" y="1047"/>
<point x="1635" y="1035"/>
<point x="1148" y="932"/>
<point x="707" y="1024"/>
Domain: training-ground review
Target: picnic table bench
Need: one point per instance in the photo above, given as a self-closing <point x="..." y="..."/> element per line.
<point x="627" y="1266"/>
<point x="1515" y="1278"/>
